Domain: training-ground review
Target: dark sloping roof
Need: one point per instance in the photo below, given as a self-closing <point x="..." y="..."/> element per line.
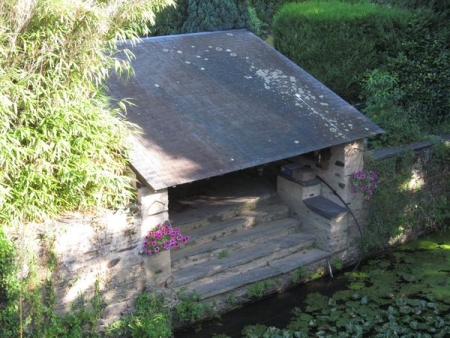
<point x="213" y="103"/>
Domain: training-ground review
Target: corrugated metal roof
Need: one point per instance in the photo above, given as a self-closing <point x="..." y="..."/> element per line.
<point x="217" y="102"/>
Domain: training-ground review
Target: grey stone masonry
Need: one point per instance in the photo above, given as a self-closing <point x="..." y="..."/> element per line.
<point x="102" y="249"/>
<point x="322" y="218"/>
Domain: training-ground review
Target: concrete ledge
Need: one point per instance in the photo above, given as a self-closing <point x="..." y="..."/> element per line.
<point x="325" y="207"/>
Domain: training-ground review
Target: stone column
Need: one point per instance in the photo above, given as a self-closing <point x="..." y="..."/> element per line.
<point x="154" y="211"/>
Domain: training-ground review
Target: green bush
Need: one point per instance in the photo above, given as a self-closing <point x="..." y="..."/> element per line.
<point x="265" y="11"/>
<point x="211" y="15"/>
<point x="382" y="106"/>
<point x="190" y="308"/>
<point x="170" y="19"/>
<point x="401" y="202"/>
<point x="338" y="42"/>
<point x="152" y="318"/>
<point x="62" y="147"/>
<point x="423" y="70"/>
<point x="191" y="16"/>
<point x="408" y="94"/>
<point x="388" y="206"/>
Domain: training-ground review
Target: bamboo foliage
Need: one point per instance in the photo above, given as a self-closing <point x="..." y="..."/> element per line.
<point x="61" y="145"/>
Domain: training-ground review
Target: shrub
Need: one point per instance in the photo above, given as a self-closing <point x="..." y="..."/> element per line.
<point x="170" y="19"/>
<point x="211" y="15"/>
<point x="413" y="193"/>
<point x="190" y="16"/>
<point x="189" y="308"/>
<point x="423" y="70"/>
<point x="152" y="318"/>
<point x="62" y="147"/>
<point x="338" y="42"/>
<point x="383" y="106"/>
<point x="408" y="94"/>
<point x="265" y="11"/>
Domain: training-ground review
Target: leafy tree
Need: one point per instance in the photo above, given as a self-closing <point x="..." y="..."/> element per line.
<point x="61" y="146"/>
<point x="210" y="15"/>
<point x="170" y="19"/>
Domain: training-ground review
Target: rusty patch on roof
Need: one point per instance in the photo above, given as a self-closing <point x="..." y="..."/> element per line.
<point x="214" y="103"/>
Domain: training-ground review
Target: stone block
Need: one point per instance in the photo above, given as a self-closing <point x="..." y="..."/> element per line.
<point x="304" y="174"/>
<point x="157" y="268"/>
<point x="292" y="192"/>
<point x="153" y="203"/>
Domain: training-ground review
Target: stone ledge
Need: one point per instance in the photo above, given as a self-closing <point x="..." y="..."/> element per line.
<point x="325" y="207"/>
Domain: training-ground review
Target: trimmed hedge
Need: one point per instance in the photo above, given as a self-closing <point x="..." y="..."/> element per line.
<point x="338" y="42"/>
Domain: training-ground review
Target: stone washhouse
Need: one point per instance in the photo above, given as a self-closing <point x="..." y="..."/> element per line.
<point x="238" y="147"/>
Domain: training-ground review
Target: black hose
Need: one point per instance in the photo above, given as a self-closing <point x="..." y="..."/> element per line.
<point x="353" y="215"/>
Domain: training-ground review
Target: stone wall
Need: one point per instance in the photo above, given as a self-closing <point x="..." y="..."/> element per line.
<point x="103" y="248"/>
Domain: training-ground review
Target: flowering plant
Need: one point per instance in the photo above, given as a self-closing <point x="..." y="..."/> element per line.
<point x="365" y="181"/>
<point x="164" y="237"/>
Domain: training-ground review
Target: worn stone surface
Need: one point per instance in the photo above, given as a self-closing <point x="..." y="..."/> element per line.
<point x="104" y="249"/>
<point x="325" y="207"/>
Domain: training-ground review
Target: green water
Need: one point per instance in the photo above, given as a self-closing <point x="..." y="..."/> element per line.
<point x="401" y="293"/>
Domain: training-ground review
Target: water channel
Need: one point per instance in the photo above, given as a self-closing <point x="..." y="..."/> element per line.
<point x="403" y="292"/>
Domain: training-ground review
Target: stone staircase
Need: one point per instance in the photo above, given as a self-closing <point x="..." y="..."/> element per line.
<point x="237" y="239"/>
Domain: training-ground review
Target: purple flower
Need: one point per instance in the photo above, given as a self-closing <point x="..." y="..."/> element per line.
<point x="164" y="237"/>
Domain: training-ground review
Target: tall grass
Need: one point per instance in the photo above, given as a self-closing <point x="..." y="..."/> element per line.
<point x="61" y="146"/>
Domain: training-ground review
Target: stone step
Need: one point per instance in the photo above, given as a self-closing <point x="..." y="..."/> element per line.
<point x="245" y="219"/>
<point x="325" y="207"/>
<point x="244" y="259"/>
<point x="217" y="285"/>
<point x="248" y="236"/>
<point x="204" y="210"/>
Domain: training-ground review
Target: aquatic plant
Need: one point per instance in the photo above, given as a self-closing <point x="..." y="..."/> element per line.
<point x="403" y="293"/>
<point x="164" y="237"/>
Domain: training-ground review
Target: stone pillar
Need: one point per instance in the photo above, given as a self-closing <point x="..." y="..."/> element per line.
<point x="154" y="211"/>
<point x="293" y="194"/>
<point x="335" y="165"/>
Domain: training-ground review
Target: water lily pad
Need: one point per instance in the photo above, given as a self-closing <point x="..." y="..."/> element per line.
<point x="355" y="296"/>
<point x="332" y="302"/>
<point x="406" y="309"/>
<point x="408" y="277"/>
<point x="305" y="316"/>
<point x="316" y="301"/>
<point x="384" y="264"/>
